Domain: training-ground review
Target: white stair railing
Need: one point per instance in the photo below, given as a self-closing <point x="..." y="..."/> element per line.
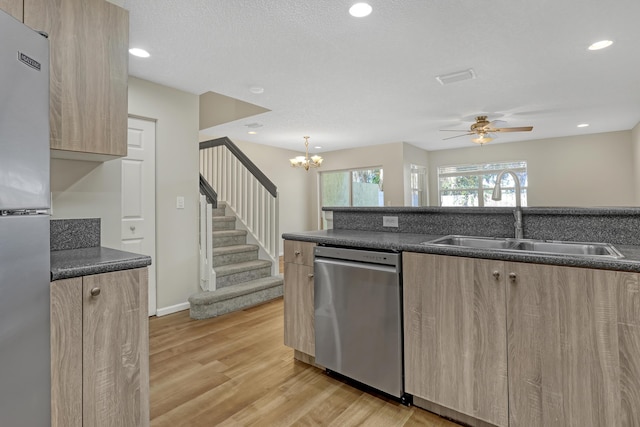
<point x="248" y="193"/>
<point x="207" y="273"/>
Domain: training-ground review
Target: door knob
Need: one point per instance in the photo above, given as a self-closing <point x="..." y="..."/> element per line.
<point x="496" y="274"/>
<point x="513" y="277"/>
<point x="310" y="275"/>
<point x="296" y="253"/>
<point x="95" y="292"/>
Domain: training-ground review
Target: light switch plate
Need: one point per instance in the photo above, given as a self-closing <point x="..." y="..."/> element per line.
<point x="390" y="221"/>
<point x="180" y="202"/>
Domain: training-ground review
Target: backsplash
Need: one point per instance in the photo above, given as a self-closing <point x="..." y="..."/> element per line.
<point x="74" y="233"/>
<point x="610" y="225"/>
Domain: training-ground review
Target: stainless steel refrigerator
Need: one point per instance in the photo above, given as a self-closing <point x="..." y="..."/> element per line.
<point x="25" y="373"/>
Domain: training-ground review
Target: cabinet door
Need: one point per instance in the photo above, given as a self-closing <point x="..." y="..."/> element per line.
<point x="13" y="8"/>
<point x="299" y="323"/>
<point x="115" y="349"/>
<point x="574" y="340"/>
<point x="455" y="337"/>
<point x="298" y="252"/>
<point x="88" y="72"/>
<point x="66" y="353"/>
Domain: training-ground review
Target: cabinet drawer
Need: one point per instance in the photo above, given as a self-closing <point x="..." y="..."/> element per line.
<point x="298" y="252"/>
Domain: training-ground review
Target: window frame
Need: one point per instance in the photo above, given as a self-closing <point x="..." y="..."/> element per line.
<point x="479" y="170"/>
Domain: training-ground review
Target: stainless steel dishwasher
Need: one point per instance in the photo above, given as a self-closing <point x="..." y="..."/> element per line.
<point x="358" y="316"/>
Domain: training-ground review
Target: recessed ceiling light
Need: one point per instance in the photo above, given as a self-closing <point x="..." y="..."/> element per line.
<point x="141" y="53"/>
<point x="583" y="125"/>
<point x="600" y="45"/>
<point x="252" y="132"/>
<point x="317" y="147"/>
<point x="256" y="89"/>
<point x="360" y="10"/>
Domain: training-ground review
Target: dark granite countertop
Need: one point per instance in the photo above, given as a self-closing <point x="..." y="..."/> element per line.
<point x="70" y="263"/>
<point x="410" y="242"/>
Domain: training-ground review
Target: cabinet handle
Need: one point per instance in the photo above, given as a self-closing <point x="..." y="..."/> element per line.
<point x="496" y="274"/>
<point x="95" y="292"/>
<point x="296" y="253"/>
<point x="513" y="277"/>
<point x="310" y="275"/>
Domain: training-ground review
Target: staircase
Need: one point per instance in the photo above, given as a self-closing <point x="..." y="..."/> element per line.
<point x="242" y="279"/>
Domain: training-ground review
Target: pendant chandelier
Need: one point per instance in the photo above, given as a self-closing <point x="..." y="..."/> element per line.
<point x="305" y="161"/>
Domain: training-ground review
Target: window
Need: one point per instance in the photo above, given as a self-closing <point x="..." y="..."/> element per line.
<point x="472" y="185"/>
<point x="418" y="185"/>
<point x="358" y="187"/>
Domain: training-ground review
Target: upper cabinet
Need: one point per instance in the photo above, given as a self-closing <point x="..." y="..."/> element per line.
<point x="89" y="71"/>
<point x="13" y="8"/>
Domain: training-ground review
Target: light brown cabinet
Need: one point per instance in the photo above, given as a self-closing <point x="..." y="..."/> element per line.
<point x="13" y="8"/>
<point x="455" y="338"/>
<point x="570" y="338"/>
<point x="299" y="329"/>
<point x="100" y="350"/>
<point x="88" y="75"/>
<point x="574" y="346"/>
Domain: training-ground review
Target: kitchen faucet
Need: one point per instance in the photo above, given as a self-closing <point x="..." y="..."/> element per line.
<point x="497" y="195"/>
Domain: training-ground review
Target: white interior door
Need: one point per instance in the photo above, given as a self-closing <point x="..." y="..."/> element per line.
<point x="138" y="230"/>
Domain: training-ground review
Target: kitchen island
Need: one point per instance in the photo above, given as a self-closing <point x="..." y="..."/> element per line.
<point x="99" y="330"/>
<point x="504" y="338"/>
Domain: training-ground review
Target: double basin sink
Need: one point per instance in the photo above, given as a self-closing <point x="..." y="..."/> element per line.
<point x="552" y="247"/>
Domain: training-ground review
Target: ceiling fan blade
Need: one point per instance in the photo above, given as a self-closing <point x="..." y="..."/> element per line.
<point x="458" y="136"/>
<point x="454" y="130"/>
<point x="518" y="129"/>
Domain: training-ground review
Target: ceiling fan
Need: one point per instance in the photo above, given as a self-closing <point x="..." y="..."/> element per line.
<point x="484" y="130"/>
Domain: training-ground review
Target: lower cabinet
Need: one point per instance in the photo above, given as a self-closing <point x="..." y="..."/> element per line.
<point x="100" y="350"/>
<point x="566" y="340"/>
<point x="455" y="338"/>
<point x="299" y="329"/>
<point x="574" y="346"/>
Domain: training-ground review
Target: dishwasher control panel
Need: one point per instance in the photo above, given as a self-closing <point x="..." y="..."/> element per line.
<point x="360" y="255"/>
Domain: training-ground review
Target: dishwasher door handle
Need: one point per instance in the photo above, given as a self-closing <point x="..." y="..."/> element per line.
<point x="359" y="265"/>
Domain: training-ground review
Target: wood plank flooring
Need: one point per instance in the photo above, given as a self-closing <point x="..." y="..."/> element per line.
<point x="234" y="370"/>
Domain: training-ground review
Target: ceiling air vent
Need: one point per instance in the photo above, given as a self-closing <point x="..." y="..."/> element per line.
<point x="458" y="76"/>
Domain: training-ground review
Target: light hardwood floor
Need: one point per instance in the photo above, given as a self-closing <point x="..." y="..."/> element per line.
<point x="234" y="370"/>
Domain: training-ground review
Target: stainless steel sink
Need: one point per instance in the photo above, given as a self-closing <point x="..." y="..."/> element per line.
<point x="532" y="246"/>
<point x="569" y="248"/>
<point x="474" y="242"/>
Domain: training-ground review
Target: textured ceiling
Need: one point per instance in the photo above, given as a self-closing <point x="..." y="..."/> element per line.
<point x="350" y="82"/>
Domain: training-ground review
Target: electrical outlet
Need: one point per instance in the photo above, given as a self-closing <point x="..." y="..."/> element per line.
<point x="180" y="202"/>
<point x="390" y="221"/>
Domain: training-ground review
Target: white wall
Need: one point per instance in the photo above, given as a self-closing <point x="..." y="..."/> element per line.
<point x="177" y="166"/>
<point x="81" y="189"/>
<point x="635" y="141"/>
<point x="589" y="170"/>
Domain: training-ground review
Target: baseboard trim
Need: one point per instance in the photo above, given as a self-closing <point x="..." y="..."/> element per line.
<point x="172" y="309"/>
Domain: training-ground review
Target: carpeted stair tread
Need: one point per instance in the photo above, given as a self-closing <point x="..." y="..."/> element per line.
<point x="226" y="218"/>
<point x="245" y="288"/>
<point x="240" y="267"/>
<point x="234" y="249"/>
<point x="229" y="233"/>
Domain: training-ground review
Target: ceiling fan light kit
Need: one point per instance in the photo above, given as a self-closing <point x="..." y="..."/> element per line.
<point x="482" y="139"/>
<point x="483" y="128"/>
